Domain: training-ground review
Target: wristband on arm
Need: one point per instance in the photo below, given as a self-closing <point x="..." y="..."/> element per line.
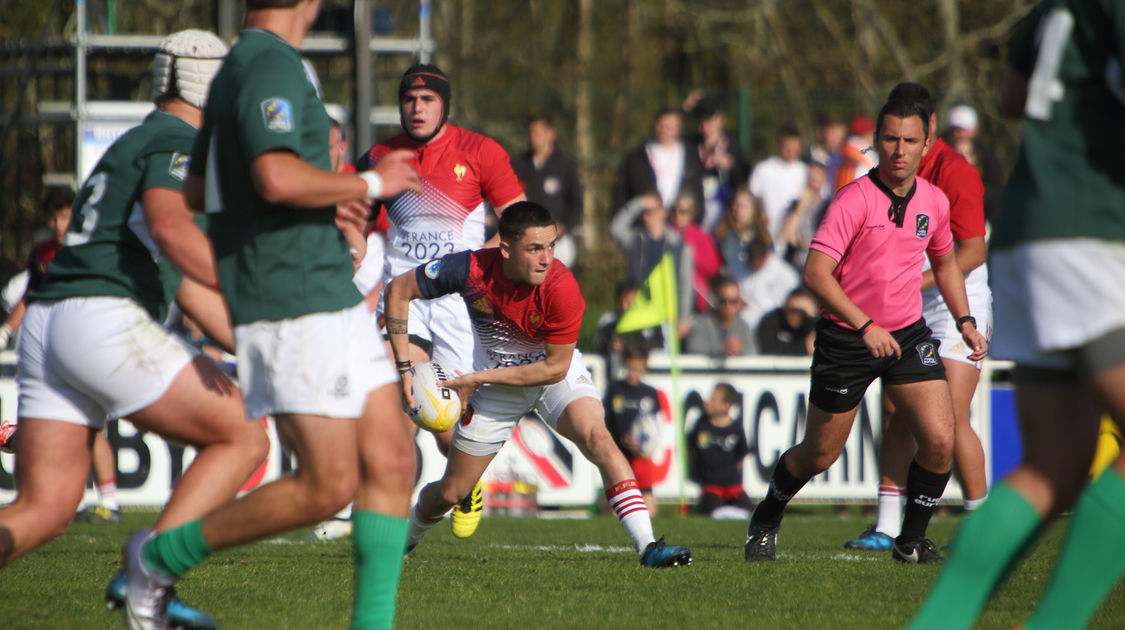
<point x="866" y="327"/>
<point x="374" y="184"/>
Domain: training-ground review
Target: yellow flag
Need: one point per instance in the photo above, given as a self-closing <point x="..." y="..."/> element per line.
<point x="656" y="301"/>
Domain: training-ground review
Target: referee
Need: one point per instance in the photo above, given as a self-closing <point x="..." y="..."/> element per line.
<point x="863" y="268"/>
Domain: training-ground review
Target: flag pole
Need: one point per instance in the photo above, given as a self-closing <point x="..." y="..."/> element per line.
<point x="672" y="308"/>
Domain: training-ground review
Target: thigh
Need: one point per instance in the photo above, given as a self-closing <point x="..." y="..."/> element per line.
<point x="325" y="448"/>
<point x="491" y="417"/>
<point x="201" y="406"/>
<point x="52" y="463"/>
<point x="926" y="407"/>
<point x="577" y="384"/>
<point x="842" y="369"/>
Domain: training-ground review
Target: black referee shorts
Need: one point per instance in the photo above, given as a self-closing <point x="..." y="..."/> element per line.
<point x="842" y="366"/>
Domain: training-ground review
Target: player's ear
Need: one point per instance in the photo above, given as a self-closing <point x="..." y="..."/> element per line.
<point x="505" y="248"/>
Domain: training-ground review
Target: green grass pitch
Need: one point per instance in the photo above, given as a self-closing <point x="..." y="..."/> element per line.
<point x="535" y="573"/>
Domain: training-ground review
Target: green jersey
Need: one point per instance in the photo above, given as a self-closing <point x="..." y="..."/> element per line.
<point x="1069" y="177"/>
<point x="275" y="261"/>
<point x="107" y="250"/>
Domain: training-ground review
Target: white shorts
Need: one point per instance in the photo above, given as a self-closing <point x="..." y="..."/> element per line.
<point x="321" y="364"/>
<point x="944" y="327"/>
<point x="82" y="360"/>
<point x="496" y="409"/>
<point x="444" y="322"/>
<point x="1055" y="295"/>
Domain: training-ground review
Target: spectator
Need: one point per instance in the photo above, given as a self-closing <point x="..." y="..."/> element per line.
<point x="722" y="333"/>
<point x="611" y="345"/>
<point x="799" y="226"/>
<point x="791" y="329"/>
<point x="550" y="176"/>
<point x="716" y="447"/>
<point x="627" y="402"/>
<point x="705" y="259"/>
<point x="56" y="209"/>
<point x="724" y="165"/>
<point x="645" y="246"/>
<point x="662" y="163"/>
<point x="779" y="180"/>
<point x="338" y="148"/>
<point x="769" y="283"/>
<point x="962" y="136"/>
<point x="743" y="222"/>
<point x="859" y="157"/>
<point x="828" y="150"/>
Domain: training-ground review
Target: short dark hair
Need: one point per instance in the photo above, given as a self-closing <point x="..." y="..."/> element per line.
<point x="56" y="198"/>
<point x="758" y="249"/>
<point x="906" y="103"/>
<point x="788" y="131"/>
<point x="913" y="93"/>
<point x="728" y="392"/>
<point x="252" y="5"/>
<point x="541" y="118"/>
<point x="636" y="350"/>
<point x="521" y="215"/>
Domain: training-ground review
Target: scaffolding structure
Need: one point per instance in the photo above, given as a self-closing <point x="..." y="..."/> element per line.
<point x="35" y="62"/>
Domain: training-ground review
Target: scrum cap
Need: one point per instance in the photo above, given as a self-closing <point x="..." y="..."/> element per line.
<point x="429" y="77"/>
<point x="185" y="65"/>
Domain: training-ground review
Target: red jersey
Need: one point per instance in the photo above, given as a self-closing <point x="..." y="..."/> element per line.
<point x="460" y="171"/>
<point x="512" y="322"/>
<point x="945" y="168"/>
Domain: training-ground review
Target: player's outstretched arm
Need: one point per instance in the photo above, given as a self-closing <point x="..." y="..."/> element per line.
<point x="549" y="371"/>
<point x="396" y="310"/>
<point x="820" y="281"/>
<point x="170" y="222"/>
<point x="282" y="177"/>
<point x="951" y="283"/>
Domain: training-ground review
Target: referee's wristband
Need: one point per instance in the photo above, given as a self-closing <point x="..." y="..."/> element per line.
<point x="866" y="327"/>
<point x="374" y="184"/>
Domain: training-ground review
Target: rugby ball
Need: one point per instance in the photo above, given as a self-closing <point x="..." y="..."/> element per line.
<point x="646" y="433"/>
<point x="435" y="408"/>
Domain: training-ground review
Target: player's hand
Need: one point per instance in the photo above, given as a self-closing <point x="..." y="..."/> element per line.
<point x="397" y="173"/>
<point x="465" y="386"/>
<point x="974" y="340"/>
<point x="881" y="343"/>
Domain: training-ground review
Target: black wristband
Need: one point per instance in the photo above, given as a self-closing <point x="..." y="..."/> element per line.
<point x="403" y="364"/>
<point x="966" y="318"/>
<point x="865" y="327"/>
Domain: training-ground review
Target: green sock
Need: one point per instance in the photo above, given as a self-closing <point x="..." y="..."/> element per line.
<point x="988" y="540"/>
<point x="1093" y="557"/>
<point x="378" y="541"/>
<point x="175" y="551"/>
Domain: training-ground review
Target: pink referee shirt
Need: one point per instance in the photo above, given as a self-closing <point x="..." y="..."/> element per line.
<point x="879" y="264"/>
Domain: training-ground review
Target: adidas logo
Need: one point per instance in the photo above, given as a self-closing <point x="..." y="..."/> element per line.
<point x="418" y="81"/>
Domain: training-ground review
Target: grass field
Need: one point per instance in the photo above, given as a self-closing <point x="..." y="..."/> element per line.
<point x="525" y="573"/>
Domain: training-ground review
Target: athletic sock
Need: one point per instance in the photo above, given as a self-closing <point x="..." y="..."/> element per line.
<point x="175" y="551"/>
<point x="377" y="541"/>
<point x="972" y="504"/>
<point x="107" y="495"/>
<point x="418" y="525"/>
<point x="1092" y="560"/>
<point x="783" y="485"/>
<point x="988" y="542"/>
<point x="626" y="500"/>
<point x="891" y="501"/>
<point x="923" y="492"/>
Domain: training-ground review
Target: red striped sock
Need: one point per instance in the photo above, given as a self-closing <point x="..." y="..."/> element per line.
<point x="626" y="500"/>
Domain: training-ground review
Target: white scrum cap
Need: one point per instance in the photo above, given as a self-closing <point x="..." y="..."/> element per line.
<point x="185" y="65"/>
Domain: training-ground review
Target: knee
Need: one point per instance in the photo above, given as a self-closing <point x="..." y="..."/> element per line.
<point x="389" y="467"/>
<point x="324" y="496"/>
<point x="255" y="444"/>
<point x="936" y="451"/>
<point x="809" y="460"/>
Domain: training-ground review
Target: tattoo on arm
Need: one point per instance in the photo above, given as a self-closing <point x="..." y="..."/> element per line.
<point x="396" y="326"/>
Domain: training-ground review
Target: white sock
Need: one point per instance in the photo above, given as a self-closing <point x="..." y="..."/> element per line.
<point x="972" y="504"/>
<point x="626" y="500"/>
<point x="892" y="499"/>
<point x="107" y="495"/>
<point x="418" y="525"/>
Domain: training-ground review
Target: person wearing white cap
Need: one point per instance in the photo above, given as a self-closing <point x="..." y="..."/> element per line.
<point x="963" y="125"/>
<point x="101" y="304"/>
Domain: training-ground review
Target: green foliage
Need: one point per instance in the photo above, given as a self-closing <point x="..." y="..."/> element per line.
<point x="524" y="573"/>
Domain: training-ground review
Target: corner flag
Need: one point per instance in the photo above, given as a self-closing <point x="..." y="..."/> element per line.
<point x="656" y="301"/>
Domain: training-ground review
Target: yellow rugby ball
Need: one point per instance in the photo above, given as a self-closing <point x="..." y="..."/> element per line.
<point x="435" y="408"/>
